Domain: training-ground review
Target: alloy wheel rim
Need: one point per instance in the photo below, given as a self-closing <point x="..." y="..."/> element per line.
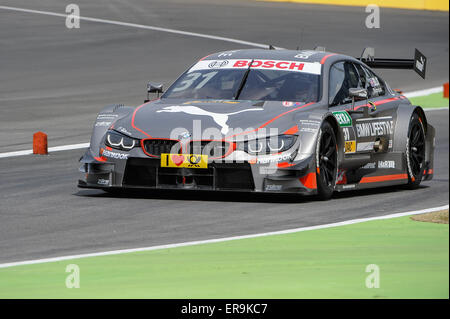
<point x="416" y="148"/>
<point x="327" y="158"/>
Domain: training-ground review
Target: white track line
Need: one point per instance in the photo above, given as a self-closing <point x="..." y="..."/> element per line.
<point x="218" y="240"/>
<point x="141" y="26"/>
<point x="50" y="150"/>
<point x="424" y="92"/>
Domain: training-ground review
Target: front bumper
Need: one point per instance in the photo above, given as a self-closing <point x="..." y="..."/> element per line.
<point x="146" y="173"/>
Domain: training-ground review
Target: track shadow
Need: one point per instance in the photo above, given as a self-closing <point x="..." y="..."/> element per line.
<point x="230" y="196"/>
<point x="196" y="195"/>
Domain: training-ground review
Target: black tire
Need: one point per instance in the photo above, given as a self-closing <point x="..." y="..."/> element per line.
<point x="326" y="161"/>
<point x="415" y="151"/>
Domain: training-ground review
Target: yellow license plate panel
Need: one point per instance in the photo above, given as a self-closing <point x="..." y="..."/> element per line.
<point x="184" y="160"/>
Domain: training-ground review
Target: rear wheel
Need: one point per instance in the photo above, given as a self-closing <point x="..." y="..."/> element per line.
<point x="415" y="151"/>
<point x="326" y="161"/>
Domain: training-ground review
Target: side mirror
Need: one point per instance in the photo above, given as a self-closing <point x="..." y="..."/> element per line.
<point x="358" y="94"/>
<point x="153" y="88"/>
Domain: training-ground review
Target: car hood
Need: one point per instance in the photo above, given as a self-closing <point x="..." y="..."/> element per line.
<point x="171" y="118"/>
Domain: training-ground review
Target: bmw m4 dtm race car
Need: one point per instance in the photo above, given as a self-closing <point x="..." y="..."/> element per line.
<point x="281" y="121"/>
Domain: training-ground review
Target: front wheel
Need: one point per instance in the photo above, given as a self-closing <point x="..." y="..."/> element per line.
<point x="415" y="151"/>
<point x="326" y="161"/>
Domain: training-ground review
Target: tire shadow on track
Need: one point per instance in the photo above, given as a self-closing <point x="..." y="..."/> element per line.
<point x="230" y="196"/>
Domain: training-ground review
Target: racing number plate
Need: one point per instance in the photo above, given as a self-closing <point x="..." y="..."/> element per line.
<point x="184" y="160"/>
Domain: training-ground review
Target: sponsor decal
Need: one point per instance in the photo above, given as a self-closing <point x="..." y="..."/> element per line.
<point x="350" y="147"/>
<point x="369" y="166"/>
<point x="349" y="186"/>
<point x="103" y="123"/>
<point x="371" y="129"/>
<point x="273" y="187"/>
<point x="309" y="126"/>
<point x="108" y="116"/>
<point x="289" y="103"/>
<point x="293" y="66"/>
<point x="273" y="159"/>
<point x="344" y="119"/>
<point x="123" y="130"/>
<point x="420" y="64"/>
<point x="217" y="64"/>
<point x="112" y="154"/>
<point x="221" y="119"/>
<point x="374" y="82"/>
<point x="365" y="146"/>
<point x="308" y="129"/>
<point x="228" y="53"/>
<point x="310" y="122"/>
<point x="102" y="181"/>
<point x="184" y="160"/>
<point x="105" y="119"/>
<point x="386" y="164"/>
<point x="305" y="54"/>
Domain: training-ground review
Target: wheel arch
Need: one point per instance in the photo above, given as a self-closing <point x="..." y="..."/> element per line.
<point x="105" y="118"/>
<point x="404" y="113"/>
<point x="421" y="113"/>
<point x="338" y="133"/>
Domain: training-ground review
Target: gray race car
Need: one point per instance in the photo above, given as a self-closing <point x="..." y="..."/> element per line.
<point x="280" y="121"/>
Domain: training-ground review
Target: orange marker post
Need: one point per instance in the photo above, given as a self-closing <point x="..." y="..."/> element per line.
<point x="40" y="143"/>
<point x="446" y="90"/>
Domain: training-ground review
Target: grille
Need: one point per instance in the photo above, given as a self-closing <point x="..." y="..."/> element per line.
<point x="141" y="172"/>
<point x="214" y="149"/>
<point x="155" y="147"/>
<point x="234" y="176"/>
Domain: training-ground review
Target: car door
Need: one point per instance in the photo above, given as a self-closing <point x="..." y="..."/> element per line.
<point x="374" y="131"/>
<point x="343" y="76"/>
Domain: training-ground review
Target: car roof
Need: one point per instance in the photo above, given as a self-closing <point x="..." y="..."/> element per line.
<point x="279" y="54"/>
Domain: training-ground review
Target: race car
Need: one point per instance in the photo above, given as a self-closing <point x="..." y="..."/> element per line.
<point x="279" y="121"/>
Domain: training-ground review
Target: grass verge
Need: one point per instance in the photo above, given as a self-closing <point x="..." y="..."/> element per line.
<point x="328" y="263"/>
<point x="430" y="101"/>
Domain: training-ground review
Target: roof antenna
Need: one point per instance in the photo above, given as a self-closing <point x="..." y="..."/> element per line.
<point x="271" y="47"/>
<point x="368" y="54"/>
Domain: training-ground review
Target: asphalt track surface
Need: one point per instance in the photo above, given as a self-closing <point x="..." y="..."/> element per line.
<point x="56" y="80"/>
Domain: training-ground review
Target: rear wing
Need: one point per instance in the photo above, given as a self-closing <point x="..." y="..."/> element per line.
<point x="418" y="64"/>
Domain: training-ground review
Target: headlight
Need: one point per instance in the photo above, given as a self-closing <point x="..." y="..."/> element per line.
<point x="270" y="145"/>
<point x="119" y="141"/>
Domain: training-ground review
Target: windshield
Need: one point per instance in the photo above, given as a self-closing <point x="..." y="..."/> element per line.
<point x="262" y="81"/>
